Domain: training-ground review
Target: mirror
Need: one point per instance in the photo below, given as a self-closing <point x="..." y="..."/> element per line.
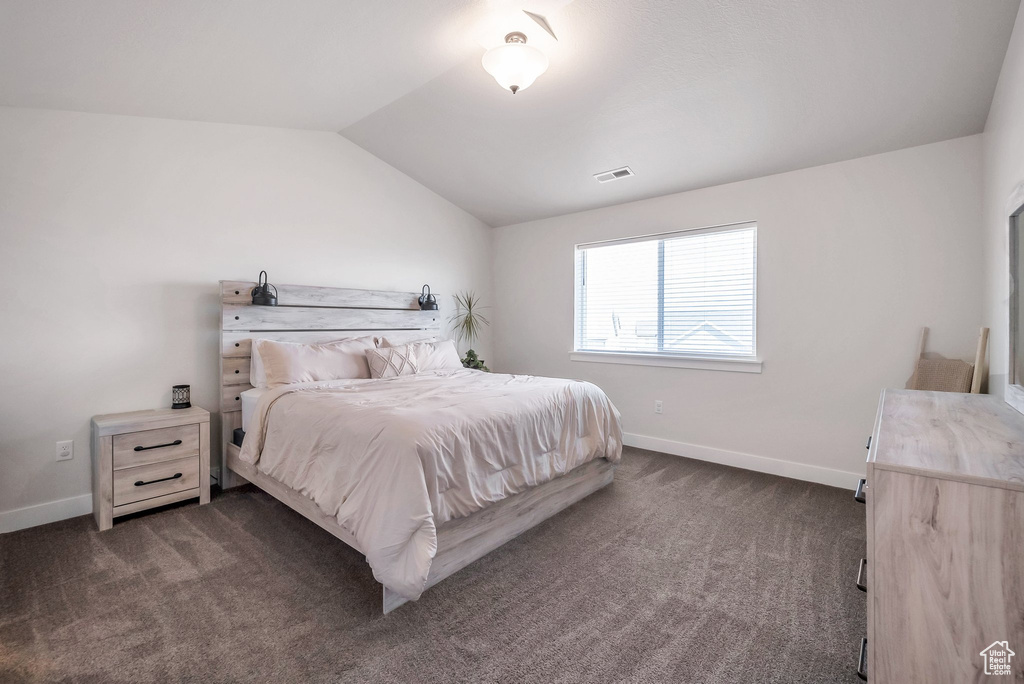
<point x="1015" y="369"/>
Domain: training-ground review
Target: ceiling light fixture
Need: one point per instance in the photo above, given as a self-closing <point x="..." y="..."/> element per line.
<point x="515" y="65"/>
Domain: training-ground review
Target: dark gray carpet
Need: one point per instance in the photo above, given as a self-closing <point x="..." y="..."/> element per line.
<point x="680" y="571"/>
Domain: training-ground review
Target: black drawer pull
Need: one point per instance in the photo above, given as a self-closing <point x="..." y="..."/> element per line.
<point x="868" y="447"/>
<point x="860" y="575"/>
<point x="858" y="496"/>
<point x="159" y="446"/>
<point x="175" y="476"/>
<point x="862" y="661"/>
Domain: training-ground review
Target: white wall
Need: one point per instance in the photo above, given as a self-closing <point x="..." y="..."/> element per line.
<point x="1003" y="171"/>
<point x="115" y="230"/>
<point x="853" y="258"/>
<point x="113" y="234"/>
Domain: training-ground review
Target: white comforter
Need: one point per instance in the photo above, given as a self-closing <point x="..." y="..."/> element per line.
<point x="393" y="459"/>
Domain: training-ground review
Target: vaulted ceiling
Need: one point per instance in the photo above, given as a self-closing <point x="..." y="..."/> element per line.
<point x="688" y="93"/>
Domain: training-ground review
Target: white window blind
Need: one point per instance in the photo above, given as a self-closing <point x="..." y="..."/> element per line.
<point x="688" y="294"/>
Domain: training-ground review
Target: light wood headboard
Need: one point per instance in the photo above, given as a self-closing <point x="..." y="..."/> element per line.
<point x="303" y="314"/>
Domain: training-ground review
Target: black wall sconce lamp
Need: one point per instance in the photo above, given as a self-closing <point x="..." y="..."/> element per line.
<point x="427" y="300"/>
<point x="261" y="294"/>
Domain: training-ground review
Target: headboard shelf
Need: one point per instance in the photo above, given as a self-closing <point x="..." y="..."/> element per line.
<point x="238" y="292"/>
<point x="304" y="314"/>
<point x="280" y="318"/>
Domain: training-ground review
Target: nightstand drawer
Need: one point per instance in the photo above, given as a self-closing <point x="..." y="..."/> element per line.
<point x="155" y="446"/>
<point x="156" y="479"/>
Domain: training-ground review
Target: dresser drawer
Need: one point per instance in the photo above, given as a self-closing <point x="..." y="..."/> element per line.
<point x="154" y="446"/>
<point x="155" y="479"/>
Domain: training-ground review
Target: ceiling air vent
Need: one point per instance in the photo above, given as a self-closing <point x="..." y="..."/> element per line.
<point x="614" y="174"/>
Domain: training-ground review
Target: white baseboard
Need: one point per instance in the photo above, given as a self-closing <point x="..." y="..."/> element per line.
<point x="43" y="513"/>
<point x="40" y="514"/>
<point x="762" y="464"/>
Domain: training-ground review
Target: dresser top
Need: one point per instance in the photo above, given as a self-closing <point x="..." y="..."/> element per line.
<point x="971" y="437"/>
<point x="134" y="421"/>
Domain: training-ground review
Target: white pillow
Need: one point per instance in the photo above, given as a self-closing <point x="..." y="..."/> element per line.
<point x="441" y="355"/>
<point x="284" y="363"/>
<point x="391" y="362"/>
<point x="257" y="376"/>
<point x="397" y="339"/>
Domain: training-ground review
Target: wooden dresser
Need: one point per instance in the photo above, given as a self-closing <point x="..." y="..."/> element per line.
<point x="145" y="459"/>
<point x="945" y="538"/>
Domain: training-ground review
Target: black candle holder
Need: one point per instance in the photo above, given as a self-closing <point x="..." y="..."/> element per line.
<point x="181" y="397"/>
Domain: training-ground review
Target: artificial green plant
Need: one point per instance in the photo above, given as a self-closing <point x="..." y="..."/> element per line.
<point x="468" y="323"/>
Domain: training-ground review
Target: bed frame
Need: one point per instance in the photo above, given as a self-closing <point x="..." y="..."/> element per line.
<point x="320" y="314"/>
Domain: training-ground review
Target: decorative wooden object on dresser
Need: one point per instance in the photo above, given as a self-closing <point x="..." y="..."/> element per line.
<point x="945" y="537"/>
<point x="146" y="459"/>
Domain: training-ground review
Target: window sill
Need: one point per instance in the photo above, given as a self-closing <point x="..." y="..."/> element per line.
<point x="742" y="365"/>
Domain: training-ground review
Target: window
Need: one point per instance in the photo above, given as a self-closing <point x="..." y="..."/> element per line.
<point x="690" y="294"/>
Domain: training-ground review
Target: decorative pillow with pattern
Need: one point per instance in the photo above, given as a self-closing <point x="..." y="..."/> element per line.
<point x="390" y="362"/>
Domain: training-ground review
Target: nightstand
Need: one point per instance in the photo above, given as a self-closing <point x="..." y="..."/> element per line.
<point x="145" y="459"/>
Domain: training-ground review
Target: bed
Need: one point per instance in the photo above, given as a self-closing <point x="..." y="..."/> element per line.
<point x="423" y="474"/>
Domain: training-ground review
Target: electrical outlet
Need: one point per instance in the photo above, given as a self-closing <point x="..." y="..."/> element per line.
<point x="65" y="450"/>
<point x="657" y="406"/>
